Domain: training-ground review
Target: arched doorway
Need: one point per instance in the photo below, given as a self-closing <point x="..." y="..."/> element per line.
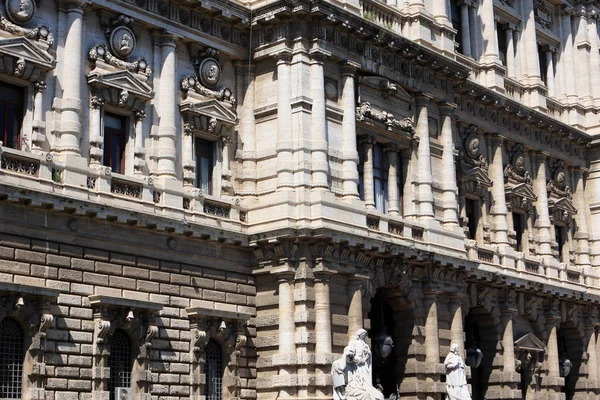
<point x="480" y="334"/>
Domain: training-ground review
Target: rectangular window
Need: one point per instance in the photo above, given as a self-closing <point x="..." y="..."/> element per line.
<point x="543" y="64"/>
<point x="502" y="45"/>
<point x="455" y="19"/>
<point x="11" y="114"/>
<point x="204" y="164"/>
<point x="380" y="172"/>
<point x="519" y="228"/>
<point x="361" y="169"/>
<point x="561" y="237"/>
<point x="472" y="213"/>
<point x="115" y="138"/>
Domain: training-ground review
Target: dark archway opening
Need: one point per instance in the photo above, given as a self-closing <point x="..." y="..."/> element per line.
<point x="480" y="334"/>
<point x="570" y="352"/>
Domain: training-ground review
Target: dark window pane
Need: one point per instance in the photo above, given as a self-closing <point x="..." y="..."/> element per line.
<point x="120" y="362"/>
<point x="115" y="136"/>
<point x="213" y="371"/>
<point x="11" y="114"/>
<point x="204" y="165"/>
<point x="12" y="355"/>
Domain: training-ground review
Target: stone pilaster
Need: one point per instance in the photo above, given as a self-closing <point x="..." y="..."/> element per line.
<point x="498" y="209"/>
<point x="366" y="142"/>
<point x="287" y="334"/>
<point x="393" y="204"/>
<point x="457" y="333"/>
<point x="285" y="145"/>
<point x="532" y="65"/>
<point x="167" y="108"/>
<point x="549" y="55"/>
<point x="567" y="58"/>
<point x="322" y="327"/>
<point x="96" y="139"/>
<point x="542" y="223"/>
<point x="592" y="361"/>
<point x="508" y="341"/>
<point x="510" y="52"/>
<point x="582" y="54"/>
<point x="349" y="152"/>
<point x="139" y="151"/>
<point x="465" y="29"/>
<point x="490" y="37"/>
<point x="593" y="197"/>
<point x="592" y="21"/>
<point x="449" y="186"/>
<point x="423" y="173"/>
<point x="69" y="129"/>
<point x="318" y="123"/>
<point x="553" y="358"/>
<point x="432" y="344"/>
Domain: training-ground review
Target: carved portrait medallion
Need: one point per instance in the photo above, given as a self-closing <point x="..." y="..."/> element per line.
<point x="209" y="72"/>
<point x="122" y="42"/>
<point x="472" y="147"/>
<point x="519" y="163"/>
<point x="20" y="11"/>
<point x="561" y="179"/>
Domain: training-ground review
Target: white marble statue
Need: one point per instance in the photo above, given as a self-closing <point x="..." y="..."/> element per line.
<point x="456" y="377"/>
<point x="351" y="374"/>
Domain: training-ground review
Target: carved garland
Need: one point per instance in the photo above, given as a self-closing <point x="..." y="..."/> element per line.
<point x="365" y="111"/>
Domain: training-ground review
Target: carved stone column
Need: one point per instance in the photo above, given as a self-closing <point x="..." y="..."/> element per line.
<point x="198" y="357"/>
<point x="432" y="342"/>
<point x="531" y="67"/>
<point x="318" y="125"/>
<point x="510" y="52"/>
<point x="457" y="334"/>
<point x="590" y="345"/>
<point x="582" y="46"/>
<point x="465" y="29"/>
<point x="167" y="109"/>
<point x="549" y="54"/>
<point x="424" y="175"/>
<point x="567" y="57"/>
<point x="38" y="136"/>
<point x="582" y="235"/>
<point x="508" y="340"/>
<point x="449" y="186"/>
<point x="226" y="183"/>
<point x="247" y="127"/>
<point x="393" y="198"/>
<point x="366" y="141"/>
<point x="355" y="312"/>
<point x="285" y="145"/>
<point x="70" y="105"/>
<point x="187" y="153"/>
<point x="96" y="139"/>
<point x="139" y="151"/>
<point x="592" y="21"/>
<point x="322" y="326"/>
<point x="498" y="209"/>
<point x="287" y="329"/>
<point x="552" y="346"/>
<point x="543" y="221"/>
<point x="349" y="151"/>
<point x="490" y="37"/>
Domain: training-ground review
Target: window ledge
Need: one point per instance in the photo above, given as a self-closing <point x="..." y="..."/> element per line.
<point x="210" y="312"/>
<point x="126" y="303"/>
<point x="25" y="289"/>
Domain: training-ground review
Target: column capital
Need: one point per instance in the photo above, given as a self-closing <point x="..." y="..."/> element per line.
<point x="165" y="38"/>
<point x="510" y="26"/>
<point x="422" y="98"/>
<point x="73" y="5"/>
<point x="283" y="56"/>
<point x="447" y="107"/>
<point x="391" y="148"/>
<point x="349" y="68"/>
<point x="497" y="139"/>
<point x="366" y="139"/>
<point x="244" y="67"/>
<point x="566" y="10"/>
<point x="541" y="156"/>
<point x="318" y="56"/>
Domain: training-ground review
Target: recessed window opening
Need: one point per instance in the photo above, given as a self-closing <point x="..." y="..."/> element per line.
<point x="12" y="356"/>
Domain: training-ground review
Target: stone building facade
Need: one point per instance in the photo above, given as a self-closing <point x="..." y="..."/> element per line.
<point x="205" y="199"/>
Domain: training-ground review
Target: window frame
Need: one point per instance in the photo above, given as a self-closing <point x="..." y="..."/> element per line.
<point x="210" y="185"/>
<point x="219" y="365"/>
<point x="107" y="141"/>
<point x="11" y="376"/>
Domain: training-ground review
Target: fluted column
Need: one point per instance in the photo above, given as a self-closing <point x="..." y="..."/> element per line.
<point x="424" y="175"/>
<point x="167" y="108"/>
<point x="567" y="58"/>
<point x="285" y="145"/>
<point x="592" y="21"/>
<point x="582" y="54"/>
<point x="247" y="129"/>
<point x="366" y="141"/>
<point x="548" y="53"/>
<point x="70" y="106"/>
<point x="38" y="136"/>
<point x="531" y="60"/>
<point x="449" y="185"/>
<point x="582" y="235"/>
<point x="355" y="314"/>
<point x="287" y="327"/>
<point x="510" y="51"/>
<point x="498" y="209"/>
<point x="349" y="151"/>
<point x="318" y="124"/>
<point x="393" y="205"/>
<point x="465" y="29"/>
<point x="543" y="220"/>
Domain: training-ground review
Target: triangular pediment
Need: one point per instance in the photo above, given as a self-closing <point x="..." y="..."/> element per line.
<point x="24" y="48"/>
<point x="565" y="204"/>
<point x="529" y="342"/>
<point x="212" y="109"/>
<point x="478" y="174"/>
<point x="123" y="80"/>
<point x="523" y="190"/>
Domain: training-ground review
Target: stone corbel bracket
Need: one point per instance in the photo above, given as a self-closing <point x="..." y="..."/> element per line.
<point x="364" y="111"/>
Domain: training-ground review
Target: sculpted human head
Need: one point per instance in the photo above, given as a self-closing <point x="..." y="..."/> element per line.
<point x="361" y="334"/>
<point x="454" y="348"/>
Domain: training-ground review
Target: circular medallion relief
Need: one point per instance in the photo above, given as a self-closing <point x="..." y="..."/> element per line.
<point x="20" y="11"/>
<point x="209" y="72"/>
<point x="519" y="163"/>
<point x="473" y="146"/>
<point x="122" y="42"/>
<point x="561" y="179"/>
<point x="331" y="90"/>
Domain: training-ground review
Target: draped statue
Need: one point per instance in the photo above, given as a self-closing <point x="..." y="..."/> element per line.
<point x="456" y="378"/>
<point x="351" y="374"/>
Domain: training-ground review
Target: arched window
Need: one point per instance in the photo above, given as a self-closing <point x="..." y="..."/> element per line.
<point x="12" y="355"/>
<point x="213" y="370"/>
<point x="120" y="362"/>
